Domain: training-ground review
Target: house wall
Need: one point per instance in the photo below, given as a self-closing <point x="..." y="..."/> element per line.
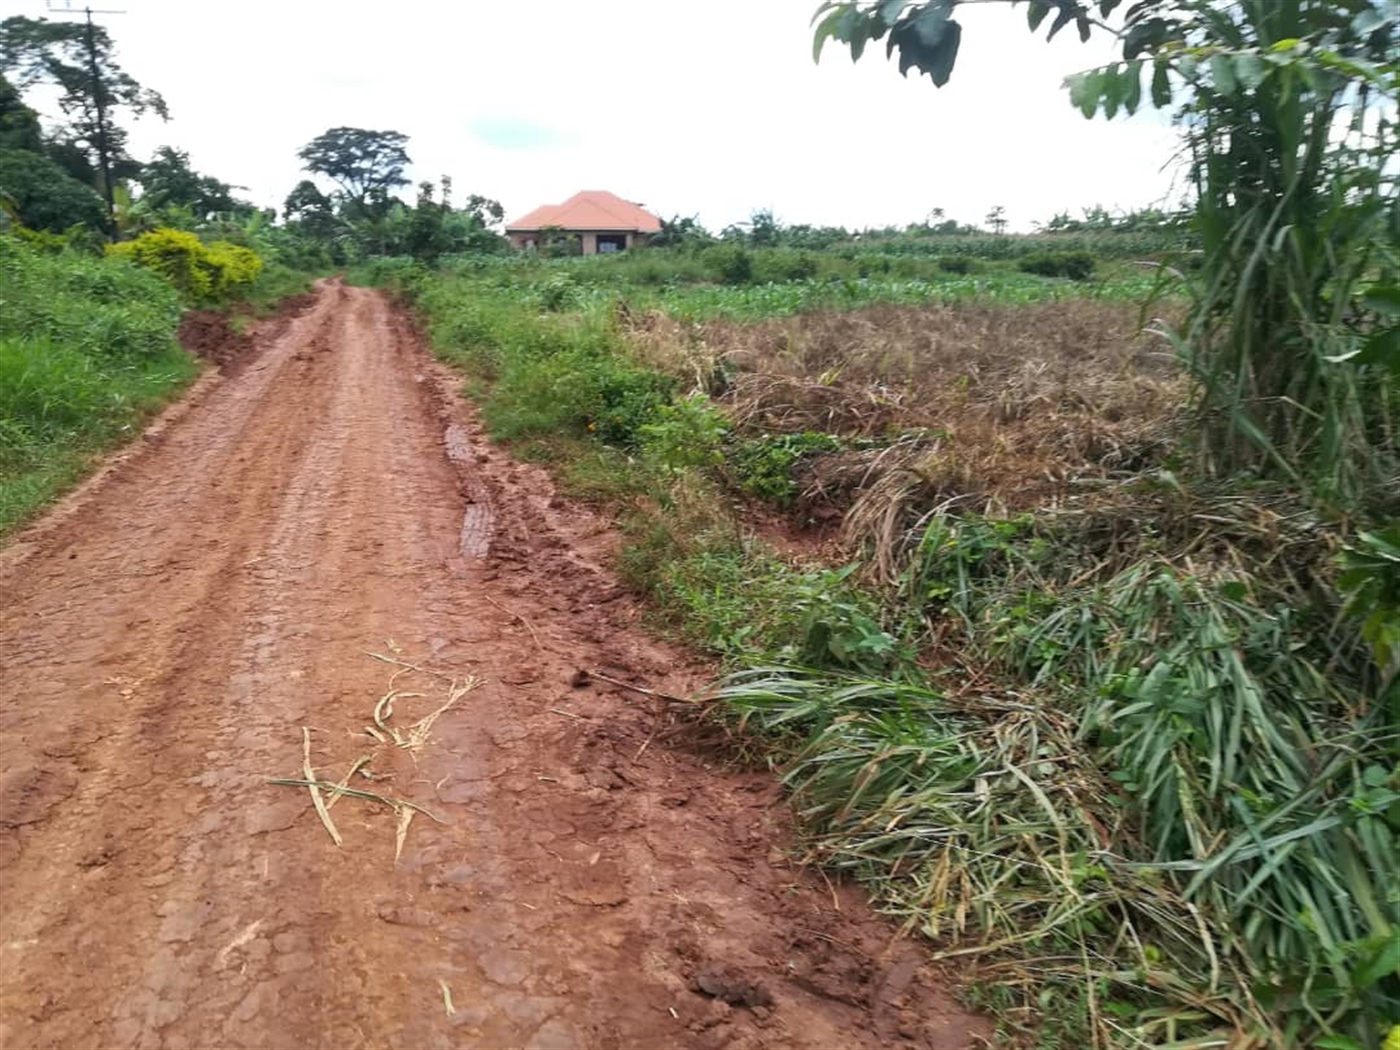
<point x="520" y="239"/>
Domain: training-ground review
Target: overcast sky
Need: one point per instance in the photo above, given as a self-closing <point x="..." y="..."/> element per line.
<point x="686" y="106"/>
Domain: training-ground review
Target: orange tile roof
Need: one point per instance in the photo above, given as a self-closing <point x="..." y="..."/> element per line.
<point x="590" y="210"/>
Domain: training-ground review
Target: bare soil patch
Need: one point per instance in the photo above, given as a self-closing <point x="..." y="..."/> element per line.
<point x="210" y="334"/>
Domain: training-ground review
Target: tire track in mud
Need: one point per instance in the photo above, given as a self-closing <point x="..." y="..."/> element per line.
<point x="166" y="636"/>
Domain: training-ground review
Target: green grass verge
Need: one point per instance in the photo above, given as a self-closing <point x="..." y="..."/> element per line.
<point x="274" y="284"/>
<point x="87" y="351"/>
<point x="87" y="354"/>
<point x="60" y="408"/>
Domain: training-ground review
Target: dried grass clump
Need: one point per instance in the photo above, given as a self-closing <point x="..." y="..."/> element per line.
<point x="786" y="404"/>
<point x="1003" y="407"/>
<point x="677" y="348"/>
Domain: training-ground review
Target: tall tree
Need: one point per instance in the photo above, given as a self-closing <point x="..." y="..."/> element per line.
<point x="79" y="60"/>
<point x="168" y="180"/>
<point x="34" y="190"/>
<point x="19" y="125"/>
<point x="366" y="165"/>
<point x="764" y="230"/>
<point x="312" y="214"/>
<point x="679" y="230"/>
<point x="484" y="211"/>
<point x="41" y="196"/>
<point x="305" y="202"/>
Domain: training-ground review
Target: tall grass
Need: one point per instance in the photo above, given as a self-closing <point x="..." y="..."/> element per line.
<point x="1297" y="188"/>
<point x="87" y="348"/>
<point x="1164" y="781"/>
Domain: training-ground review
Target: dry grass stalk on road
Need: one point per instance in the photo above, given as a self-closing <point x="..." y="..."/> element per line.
<point x="415" y="736"/>
<point x="412" y="740"/>
<point x="314" y="788"/>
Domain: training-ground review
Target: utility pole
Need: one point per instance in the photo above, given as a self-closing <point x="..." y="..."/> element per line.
<point x="103" y="159"/>
<point x="99" y="99"/>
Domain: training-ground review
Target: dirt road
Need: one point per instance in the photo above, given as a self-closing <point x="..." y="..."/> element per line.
<point x="166" y="635"/>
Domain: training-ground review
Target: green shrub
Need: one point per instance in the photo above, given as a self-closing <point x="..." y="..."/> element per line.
<point x="738" y="600"/>
<point x="552" y="374"/>
<point x="872" y="265"/>
<point x="728" y="263"/>
<point x="957" y="264"/>
<point x="783" y="264"/>
<point x="558" y="293"/>
<point x="201" y="273"/>
<point x="623" y="400"/>
<point x="763" y="466"/>
<point x="840" y="625"/>
<point x="687" y="434"/>
<point x="235" y="268"/>
<point x="1077" y="266"/>
<point x="174" y="254"/>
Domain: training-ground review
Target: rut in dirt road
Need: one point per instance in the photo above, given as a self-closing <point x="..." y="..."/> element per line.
<point x="168" y="633"/>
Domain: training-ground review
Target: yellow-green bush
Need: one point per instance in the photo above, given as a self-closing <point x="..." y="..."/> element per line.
<point x="212" y="273"/>
<point x="238" y="266"/>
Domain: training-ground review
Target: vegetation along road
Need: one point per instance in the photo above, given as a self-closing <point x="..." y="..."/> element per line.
<point x="564" y="630"/>
<point x="519" y="868"/>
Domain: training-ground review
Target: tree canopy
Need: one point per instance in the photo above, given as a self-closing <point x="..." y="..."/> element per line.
<point x="169" y="181"/>
<point x="43" y="197"/>
<point x="36" y="50"/>
<point x="19" y="125"/>
<point x="365" y="164"/>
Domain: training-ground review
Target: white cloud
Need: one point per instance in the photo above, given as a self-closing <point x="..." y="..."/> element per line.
<point x="708" y="106"/>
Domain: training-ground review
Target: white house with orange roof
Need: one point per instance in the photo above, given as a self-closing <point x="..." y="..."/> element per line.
<point x="603" y="222"/>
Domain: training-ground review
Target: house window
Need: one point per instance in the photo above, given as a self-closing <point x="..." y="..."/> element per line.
<point x="611" y="242"/>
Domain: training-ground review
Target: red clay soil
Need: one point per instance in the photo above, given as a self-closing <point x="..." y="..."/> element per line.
<point x="170" y="629"/>
<point x="209" y="334"/>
